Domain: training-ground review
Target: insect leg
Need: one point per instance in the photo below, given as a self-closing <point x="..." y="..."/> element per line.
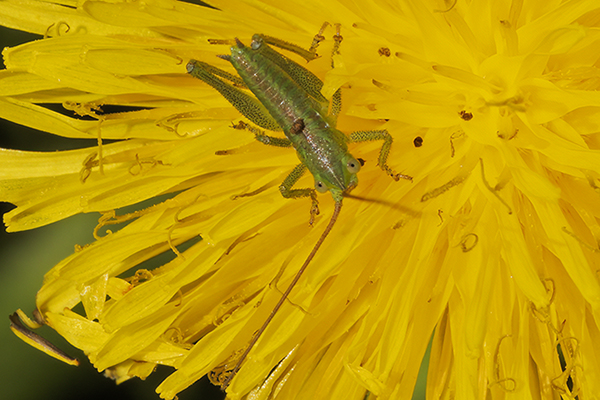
<point x="318" y="39"/>
<point x="337" y="41"/>
<point x="302" y="76"/>
<point x="369" y="136"/>
<point x="286" y="190"/>
<point x="336" y="100"/>
<point x="250" y="107"/>
<point x="211" y="69"/>
<point x="262" y="137"/>
<point x="272" y="140"/>
<point x="309" y="54"/>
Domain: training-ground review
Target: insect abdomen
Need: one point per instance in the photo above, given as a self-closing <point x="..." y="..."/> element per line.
<point x="282" y="97"/>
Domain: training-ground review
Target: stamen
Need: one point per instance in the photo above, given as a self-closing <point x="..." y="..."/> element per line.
<point x="469" y="78"/>
<point x="508" y="384"/>
<point x="442" y="189"/>
<point x="468" y="242"/>
<point x="491" y="189"/>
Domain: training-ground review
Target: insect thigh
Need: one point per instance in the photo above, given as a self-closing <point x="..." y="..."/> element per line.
<point x="243" y="102"/>
<point x="369" y="136"/>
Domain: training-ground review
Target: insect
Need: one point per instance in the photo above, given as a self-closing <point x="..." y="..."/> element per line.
<point x="287" y="97"/>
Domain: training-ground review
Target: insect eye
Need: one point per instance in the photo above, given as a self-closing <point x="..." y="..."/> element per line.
<point x="353" y="165"/>
<point x="257" y="41"/>
<point x="320" y="187"/>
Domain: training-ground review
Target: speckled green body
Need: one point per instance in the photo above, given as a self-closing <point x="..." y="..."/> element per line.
<point x="320" y="146"/>
<point x="288" y="97"/>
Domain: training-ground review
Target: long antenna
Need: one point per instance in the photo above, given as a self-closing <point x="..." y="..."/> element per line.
<point x="336" y="213"/>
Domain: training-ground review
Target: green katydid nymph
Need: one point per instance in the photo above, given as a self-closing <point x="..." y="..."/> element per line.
<point x="287" y="97"/>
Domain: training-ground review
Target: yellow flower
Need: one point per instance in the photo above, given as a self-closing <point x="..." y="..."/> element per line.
<point x="493" y="249"/>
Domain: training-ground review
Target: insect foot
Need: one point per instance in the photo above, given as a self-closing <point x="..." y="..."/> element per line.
<point x="314" y="211"/>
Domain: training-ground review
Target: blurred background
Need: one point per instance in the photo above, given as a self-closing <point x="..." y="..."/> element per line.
<point x="26" y="373"/>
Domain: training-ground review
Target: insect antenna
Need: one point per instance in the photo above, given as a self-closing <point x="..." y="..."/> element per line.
<point x="257" y="335"/>
<point x="390" y="204"/>
<point x="370" y="200"/>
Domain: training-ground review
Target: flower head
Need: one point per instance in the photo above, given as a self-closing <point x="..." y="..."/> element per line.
<point x="494" y="108"/>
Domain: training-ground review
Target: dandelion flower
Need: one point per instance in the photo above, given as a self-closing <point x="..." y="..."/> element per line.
<point x="491" y="252"/>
